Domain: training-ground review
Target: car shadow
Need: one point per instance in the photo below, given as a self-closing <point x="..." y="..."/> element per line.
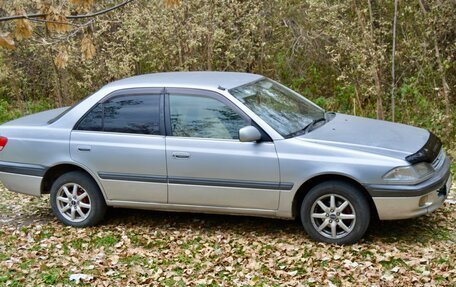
<point x="201" y="221"/>
<point x="416" y="230"/>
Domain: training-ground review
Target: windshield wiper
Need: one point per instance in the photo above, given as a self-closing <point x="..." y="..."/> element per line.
<point x="310" y="126"/>
<point x="307" y="128"/>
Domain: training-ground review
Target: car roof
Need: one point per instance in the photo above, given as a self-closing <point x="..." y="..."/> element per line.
<point x="202" y="80"/>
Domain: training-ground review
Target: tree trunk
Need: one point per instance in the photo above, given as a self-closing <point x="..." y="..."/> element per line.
<point x="210" y="37"/>
<point x="58" y="90"/>
<point x="376" y="71"/>
<point x="378" y="89"/>
<point x="66" y="99"/>
<point x="16" y="89"/>
<point x="446" y="88"/>
<point x="393" y="75"/>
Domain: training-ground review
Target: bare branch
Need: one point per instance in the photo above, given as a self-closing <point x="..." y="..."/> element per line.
<point x="99" y="12"/>
<point x="40" y="15"/>
<point x="9" y="18"/>
<point x="55" y="22"/>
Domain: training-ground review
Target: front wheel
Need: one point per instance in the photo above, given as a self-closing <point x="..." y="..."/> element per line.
<point x="76" y="200"/>
<point x="335" y="212"/>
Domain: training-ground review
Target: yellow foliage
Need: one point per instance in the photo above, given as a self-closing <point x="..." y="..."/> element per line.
<point x="83" y="5"/>
<point x="87" y="48"/>
<point x="172" y="2"/>
<point x="61" y="60"/>
<point x="43" y="6"/>
<point x="82" y="2"/>
<point x="23" y="29"/>
<point x="57" y="22"/>
<point x="6" y="41"/>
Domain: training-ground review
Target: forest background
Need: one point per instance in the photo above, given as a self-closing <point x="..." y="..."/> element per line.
<point x="392" y="60"/>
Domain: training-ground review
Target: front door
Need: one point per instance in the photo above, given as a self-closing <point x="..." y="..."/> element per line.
<point x="122" y="140"/>
<point x="207" y="164"/>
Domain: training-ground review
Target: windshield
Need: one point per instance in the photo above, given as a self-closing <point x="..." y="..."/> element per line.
<point x="284" y="110"/>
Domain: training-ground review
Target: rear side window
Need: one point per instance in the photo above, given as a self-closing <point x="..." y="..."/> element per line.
<point x="137" y="114"/>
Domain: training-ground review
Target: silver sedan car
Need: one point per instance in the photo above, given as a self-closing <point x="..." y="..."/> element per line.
<point x="218" y="142"/>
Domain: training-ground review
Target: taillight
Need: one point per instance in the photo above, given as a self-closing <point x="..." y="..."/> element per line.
<point x="3" y="142"/>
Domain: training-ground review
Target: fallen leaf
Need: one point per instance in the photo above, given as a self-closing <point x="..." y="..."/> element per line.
<point x="78" y="277"/>
<point x="387" y="276"/>
<point x="293" y="273"/>
<point x="395" y="269"/>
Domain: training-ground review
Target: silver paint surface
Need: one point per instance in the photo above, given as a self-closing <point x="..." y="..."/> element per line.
<point x="357" y="148"/>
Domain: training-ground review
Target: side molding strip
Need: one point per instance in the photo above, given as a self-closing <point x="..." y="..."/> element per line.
<point x="21" y="168"/>
<point x="197" y="181"/>
<point x="133" y="177"/>
<point x="231" y="183"/>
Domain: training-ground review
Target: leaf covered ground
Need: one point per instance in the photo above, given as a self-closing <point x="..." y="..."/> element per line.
<point x="152" y="248"/>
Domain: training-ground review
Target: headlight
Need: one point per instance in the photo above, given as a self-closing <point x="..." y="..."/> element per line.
<point x="410" y="174"/>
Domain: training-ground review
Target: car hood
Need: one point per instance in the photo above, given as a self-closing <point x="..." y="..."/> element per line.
<point x="369" y="135"/>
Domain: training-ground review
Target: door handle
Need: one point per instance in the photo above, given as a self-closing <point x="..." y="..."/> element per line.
<point x="181" y="155"/>
<point x="84" y="148"/>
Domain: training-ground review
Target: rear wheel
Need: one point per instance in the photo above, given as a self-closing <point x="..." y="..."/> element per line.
<point x="76" y="200"/>
<point x="335" y="212"/>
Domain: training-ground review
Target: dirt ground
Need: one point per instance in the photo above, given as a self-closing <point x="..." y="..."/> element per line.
<point x="153" y="248"/>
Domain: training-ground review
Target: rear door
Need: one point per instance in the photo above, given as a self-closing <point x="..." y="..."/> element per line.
<point x="122" y="140"/>
<point x="207" y="164"/>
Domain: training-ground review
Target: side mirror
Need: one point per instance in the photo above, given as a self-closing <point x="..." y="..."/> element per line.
<point x="249" y="134"/>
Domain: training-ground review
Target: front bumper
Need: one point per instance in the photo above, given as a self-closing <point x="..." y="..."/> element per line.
<point x="407" y="201"/>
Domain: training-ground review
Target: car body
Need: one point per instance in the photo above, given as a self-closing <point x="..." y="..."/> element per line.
<point x="170" y="141"/>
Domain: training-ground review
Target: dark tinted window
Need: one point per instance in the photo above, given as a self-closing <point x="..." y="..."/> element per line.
<point x="132" y="114"/>
<point x="93" y="121"/>
<point x="203" y="117"/>
<point x="139" y="114"/>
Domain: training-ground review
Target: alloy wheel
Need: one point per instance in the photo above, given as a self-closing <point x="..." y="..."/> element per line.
<point x="333" y="216"/>
<point x="73" y="202"/>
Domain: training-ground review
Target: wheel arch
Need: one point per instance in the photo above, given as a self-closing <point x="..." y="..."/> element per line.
<point x="310" y="183"/>
<point x="54" y="172"/>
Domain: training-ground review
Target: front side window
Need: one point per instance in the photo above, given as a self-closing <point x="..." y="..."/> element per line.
<point x="285" y="111"/>
<point x="203" y="117"/>
<point x="137" y="114"/>
<point x="93" y="121"/>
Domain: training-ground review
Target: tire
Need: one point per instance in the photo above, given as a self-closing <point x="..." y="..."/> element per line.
<point x="79" y="192"/>
<point x="341" y="225"/>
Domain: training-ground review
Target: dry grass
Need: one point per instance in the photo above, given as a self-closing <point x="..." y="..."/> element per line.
<point x="177" y="249"/>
